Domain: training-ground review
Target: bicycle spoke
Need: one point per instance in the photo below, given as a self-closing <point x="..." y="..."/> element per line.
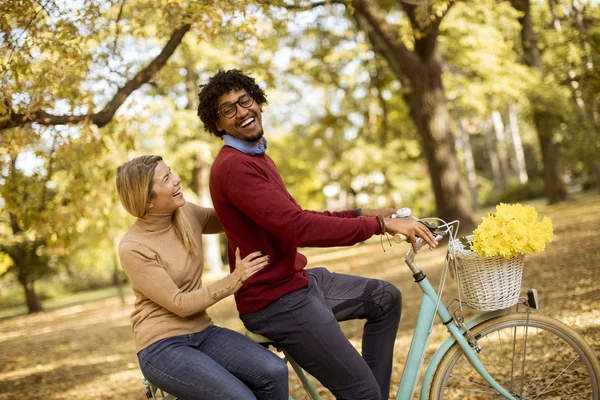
<point x="471" y="375"/>
<point x="533" y="357"/>
<point x="562" y="396"/>
<point x="558" y="376"/>
<point x="486" y="356"/>
<point x="558" y="341"/>
<point x="512" y="364"/>
<point x="524" y="360"/>
<point x="540" y="369"/>
<point x="489" y="389"/>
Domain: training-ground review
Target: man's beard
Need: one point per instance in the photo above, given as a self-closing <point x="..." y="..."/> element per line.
<point x="256" y="137"/>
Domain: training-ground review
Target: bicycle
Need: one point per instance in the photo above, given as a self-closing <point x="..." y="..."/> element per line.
<point x="498" y="354"/>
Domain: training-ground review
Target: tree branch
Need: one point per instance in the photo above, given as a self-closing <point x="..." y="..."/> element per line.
<point x="103" y="117"/>
<point x="306" y="7"/>
<point x="48" y="177"/>
<point x="384" y="37"/>
<point x="23" y="32"/>
<point x="117" y="30"/>
<point x="439" y="18"/>
<point x="419" y="16"/>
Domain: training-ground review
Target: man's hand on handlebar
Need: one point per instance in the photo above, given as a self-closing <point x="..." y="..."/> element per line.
<point x="411" y="228"/>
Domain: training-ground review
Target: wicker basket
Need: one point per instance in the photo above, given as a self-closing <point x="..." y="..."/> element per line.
<point x="487" y="283"/>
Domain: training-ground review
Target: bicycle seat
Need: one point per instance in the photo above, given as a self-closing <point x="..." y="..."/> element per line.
<point x="258" y="338"/>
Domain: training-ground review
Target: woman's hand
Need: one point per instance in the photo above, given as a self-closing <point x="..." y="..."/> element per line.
<point x="411" y="228"/>
<point x="250" y="265"/>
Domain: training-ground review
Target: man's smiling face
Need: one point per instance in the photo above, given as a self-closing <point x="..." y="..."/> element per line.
<point x="246" y="124"/>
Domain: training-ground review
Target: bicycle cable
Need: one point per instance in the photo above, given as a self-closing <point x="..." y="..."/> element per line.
<point x="450" y="230"/>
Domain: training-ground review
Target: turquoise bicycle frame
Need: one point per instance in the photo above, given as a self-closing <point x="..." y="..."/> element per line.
<point x="420" y="338"/>
<point x="418" y="346"/>
<point x="416" y="353"/>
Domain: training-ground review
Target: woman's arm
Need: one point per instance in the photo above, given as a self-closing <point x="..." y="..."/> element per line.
<point x="150" y="278"/>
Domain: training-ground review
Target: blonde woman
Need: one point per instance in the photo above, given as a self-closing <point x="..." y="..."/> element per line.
<point x="179" y="349"/>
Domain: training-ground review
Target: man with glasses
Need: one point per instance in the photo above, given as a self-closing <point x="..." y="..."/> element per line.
<point x="296" y="307"/>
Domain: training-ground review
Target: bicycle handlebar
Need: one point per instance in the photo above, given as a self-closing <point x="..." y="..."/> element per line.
<point x="406" y="213"/>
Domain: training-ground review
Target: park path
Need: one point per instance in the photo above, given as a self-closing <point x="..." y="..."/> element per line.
<point x="86" y="351"/>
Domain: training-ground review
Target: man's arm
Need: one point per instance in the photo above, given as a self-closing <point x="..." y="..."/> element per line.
<point x="359" y="212"/>
<point x="251" y="191"/>
<point x="386" y="212"/>
<point x="337" y="214"/>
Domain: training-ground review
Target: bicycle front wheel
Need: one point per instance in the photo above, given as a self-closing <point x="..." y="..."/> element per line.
<point x="535" y="358"/>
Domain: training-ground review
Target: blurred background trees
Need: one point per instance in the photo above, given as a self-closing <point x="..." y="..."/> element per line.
<point x="441" y="106"/>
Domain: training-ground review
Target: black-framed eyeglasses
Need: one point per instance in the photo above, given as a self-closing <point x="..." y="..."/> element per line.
<point x="228" y="110"/>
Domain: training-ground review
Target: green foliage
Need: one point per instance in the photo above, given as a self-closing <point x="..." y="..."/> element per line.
<point x="514" y="192"/>
<point x="337" y="118"/>
<point x="57" y="208"/>
<point x="62" y="213"/>
<point x="570" y="46"/>
<point x="483" y="72"/>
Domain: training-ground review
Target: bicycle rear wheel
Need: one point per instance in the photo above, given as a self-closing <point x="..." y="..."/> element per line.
<point x="539" y="358"/>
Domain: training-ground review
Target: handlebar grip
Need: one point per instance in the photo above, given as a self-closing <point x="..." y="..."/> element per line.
<point x="399" y="238"/>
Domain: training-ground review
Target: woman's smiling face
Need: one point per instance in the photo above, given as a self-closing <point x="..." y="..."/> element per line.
<point x="167" y="195"/>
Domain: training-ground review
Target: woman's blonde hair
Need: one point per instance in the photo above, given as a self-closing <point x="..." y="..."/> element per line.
<point x="135" y="179"/>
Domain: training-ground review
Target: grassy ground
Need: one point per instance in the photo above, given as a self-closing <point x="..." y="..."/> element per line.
<point x="69" y="300"/>
<point x="85" y="350"/>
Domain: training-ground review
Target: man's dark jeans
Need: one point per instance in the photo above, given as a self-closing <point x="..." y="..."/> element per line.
<point x="305" y="323"/>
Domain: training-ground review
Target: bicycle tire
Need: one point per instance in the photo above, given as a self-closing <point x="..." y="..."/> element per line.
<point x="558" y="363"/>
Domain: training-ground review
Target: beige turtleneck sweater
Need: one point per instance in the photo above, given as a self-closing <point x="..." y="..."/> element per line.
<point x="166" y="279"/>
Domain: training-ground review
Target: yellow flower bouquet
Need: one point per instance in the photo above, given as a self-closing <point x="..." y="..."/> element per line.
<point x="512" y="230"/>
<point x="489" y="264"/>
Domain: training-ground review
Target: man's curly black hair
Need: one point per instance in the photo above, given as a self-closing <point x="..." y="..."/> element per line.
<point x="223" y="82"/>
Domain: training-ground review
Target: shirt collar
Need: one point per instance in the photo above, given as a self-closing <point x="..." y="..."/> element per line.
<point x="251" y="148"/>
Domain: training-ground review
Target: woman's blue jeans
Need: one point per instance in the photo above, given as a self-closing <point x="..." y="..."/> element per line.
<point x="217" y="363"/>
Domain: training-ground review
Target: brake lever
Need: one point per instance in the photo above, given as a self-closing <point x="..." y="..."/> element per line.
<point x="432" y="227"/>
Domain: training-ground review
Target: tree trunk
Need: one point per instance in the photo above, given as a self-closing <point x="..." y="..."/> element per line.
<point x="544" y="120"/>
<point x="555" y="20"/>
<point x="518" y="144"/>
<point x="378" y="92"/>
<point x="421" y="69"/>
<point x="429" y="112"/>
<point x="31" y="298"/>
<point x="583" y="35"/>
<point x="555" y="186"/>
<point x="593" y="121"/>
<point x="211" y="248"/>
<point x="469" y="163"/>
<point x="191" y="80"/>
<point x="498" y="125"/>
<point x="19" y="257"/>
<point x="597" y="169"/>
<point x="117" y="278"/>
<point x="490" y="142"/>
<point x="577" y="94"/>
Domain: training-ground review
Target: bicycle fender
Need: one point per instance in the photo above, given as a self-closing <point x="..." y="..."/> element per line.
<point x="439" y="354"/>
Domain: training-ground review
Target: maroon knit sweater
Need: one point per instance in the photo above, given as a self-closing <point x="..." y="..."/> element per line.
<point x="258" y="213"/>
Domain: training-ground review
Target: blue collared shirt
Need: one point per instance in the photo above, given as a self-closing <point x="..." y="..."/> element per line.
<point x="251" y="148"/>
